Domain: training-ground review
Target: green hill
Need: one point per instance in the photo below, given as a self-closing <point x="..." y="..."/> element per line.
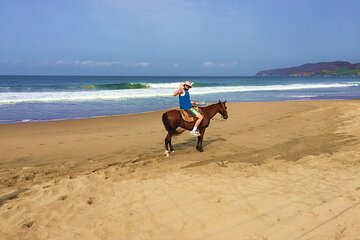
<point x="338" y="68"/>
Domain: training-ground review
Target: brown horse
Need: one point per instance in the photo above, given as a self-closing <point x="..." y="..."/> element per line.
<point x="172" y="120"/>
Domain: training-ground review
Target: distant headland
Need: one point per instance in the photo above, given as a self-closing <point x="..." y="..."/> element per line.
<point x="337" y="68"/>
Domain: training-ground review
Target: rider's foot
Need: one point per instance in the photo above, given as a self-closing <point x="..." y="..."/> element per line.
<point x="195" y="133"/>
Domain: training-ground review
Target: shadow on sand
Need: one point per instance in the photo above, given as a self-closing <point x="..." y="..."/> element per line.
<point x="191" y="143"/>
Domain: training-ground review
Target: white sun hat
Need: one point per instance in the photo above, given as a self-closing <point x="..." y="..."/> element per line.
<point x="188" y="83"/>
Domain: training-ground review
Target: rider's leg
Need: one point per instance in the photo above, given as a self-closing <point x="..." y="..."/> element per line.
<point x="199" y="119"/>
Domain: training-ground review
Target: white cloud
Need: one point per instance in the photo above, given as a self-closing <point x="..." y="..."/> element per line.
<point x="58" y="62"/>
<point x="108" y="63"/>
<point x="96" y="63"/>
<point x="80" y="63"/>
<point x="93" y="63"/>
<point x="142" y="64"/>
<point x="209" y="64"/>
<point x="176" y="64"/>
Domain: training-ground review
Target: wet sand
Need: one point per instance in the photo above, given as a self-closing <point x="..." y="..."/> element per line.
<point x="280" y="170"/>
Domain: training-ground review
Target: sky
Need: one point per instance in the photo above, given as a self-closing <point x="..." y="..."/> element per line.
<point x="174" y="37"/>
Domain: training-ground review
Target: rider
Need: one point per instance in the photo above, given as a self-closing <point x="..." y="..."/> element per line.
<point x="186" y="104"/>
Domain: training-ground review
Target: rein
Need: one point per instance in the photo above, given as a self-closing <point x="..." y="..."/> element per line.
<point x="215" y="119"/>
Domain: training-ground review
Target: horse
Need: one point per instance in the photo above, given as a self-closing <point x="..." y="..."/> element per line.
<point x="172" y="120"/>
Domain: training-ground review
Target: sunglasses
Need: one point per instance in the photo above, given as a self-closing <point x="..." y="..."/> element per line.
<point x="187" y="86"/>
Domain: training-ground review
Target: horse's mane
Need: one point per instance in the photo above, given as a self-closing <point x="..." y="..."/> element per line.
<point x="208" y="105"/>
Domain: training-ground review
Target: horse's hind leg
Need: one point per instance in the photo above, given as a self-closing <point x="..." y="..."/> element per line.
<point x="167" y="143"/>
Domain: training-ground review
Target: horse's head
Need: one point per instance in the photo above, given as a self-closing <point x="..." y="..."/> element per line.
<point x="223" y="109"/>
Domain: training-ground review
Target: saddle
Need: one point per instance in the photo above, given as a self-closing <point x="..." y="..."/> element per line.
<point x="187" y="117"/>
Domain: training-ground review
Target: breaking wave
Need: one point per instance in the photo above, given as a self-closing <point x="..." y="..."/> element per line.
<point x="148" y="90"/>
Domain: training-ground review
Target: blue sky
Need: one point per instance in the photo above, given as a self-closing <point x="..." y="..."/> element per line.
<point x="174" y="37"/>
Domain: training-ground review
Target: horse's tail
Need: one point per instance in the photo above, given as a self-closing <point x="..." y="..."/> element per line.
<point x="169" y="128"/>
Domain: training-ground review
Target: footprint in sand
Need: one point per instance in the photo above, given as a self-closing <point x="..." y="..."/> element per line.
<point x="28" y="224"/>
<point x="64" y="197"/>
<point x="90" y="201"/>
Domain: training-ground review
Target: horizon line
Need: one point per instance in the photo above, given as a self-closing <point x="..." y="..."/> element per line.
<point x="81" y="75"/>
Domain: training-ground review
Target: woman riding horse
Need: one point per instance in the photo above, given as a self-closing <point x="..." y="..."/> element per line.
<point x="172" y="120"/>
<point x="186" y="104"/>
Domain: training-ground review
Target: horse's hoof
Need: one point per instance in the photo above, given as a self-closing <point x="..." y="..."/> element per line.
<point x="172" y="151"/>
<point x="200" y="149"/>
<point x="166" y="153"/>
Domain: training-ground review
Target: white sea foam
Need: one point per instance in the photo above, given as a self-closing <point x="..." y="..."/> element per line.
<point x="155" y="90"/>
<point x="164" y="85"/>
<point x="304" y="96"/>
<point x="355" y="84"/>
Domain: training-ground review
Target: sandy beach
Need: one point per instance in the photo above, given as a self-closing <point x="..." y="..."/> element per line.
<point x="273" y="170"/>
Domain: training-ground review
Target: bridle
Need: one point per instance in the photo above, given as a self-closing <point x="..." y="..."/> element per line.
<point x="223" y="111"/>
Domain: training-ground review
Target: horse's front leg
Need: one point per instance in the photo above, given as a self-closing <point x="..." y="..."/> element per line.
<point x="170" y="145"/>
<point x="200" y="140"/>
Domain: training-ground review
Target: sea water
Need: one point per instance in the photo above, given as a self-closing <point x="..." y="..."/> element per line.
<point x="45" y="98"/>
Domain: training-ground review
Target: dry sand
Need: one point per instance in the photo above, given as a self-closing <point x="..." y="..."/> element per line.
<point x="282" y="170"/>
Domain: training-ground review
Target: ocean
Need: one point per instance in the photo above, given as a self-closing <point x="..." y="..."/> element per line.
<point x="47" y="98"/>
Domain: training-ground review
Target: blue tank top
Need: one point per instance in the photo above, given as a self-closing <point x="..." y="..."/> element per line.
<point x="185" y="102"/>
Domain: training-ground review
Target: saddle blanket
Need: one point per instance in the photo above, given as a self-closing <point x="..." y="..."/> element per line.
<point x="187" y="117"/>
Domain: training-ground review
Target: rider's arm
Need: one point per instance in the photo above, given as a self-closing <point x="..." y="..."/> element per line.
<point x="197" y="103"/>
<point x="179" y="90"/>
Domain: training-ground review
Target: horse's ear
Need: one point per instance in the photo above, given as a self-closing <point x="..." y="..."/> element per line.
<point x="219" y="101"/>
<point x="225" y="102"/>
